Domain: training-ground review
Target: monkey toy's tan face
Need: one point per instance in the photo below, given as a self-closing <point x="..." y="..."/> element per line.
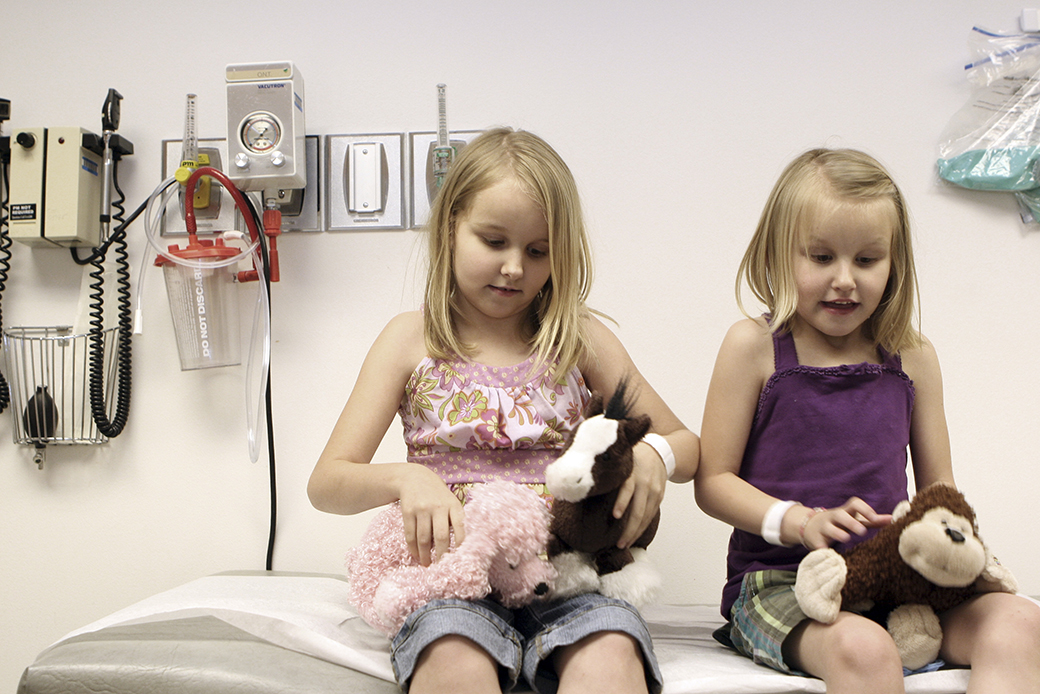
<point x="942" y="547"/>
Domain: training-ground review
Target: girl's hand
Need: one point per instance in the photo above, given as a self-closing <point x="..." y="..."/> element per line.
<point x="430" y="512"/>
<point x="641" y="494"/>
<point x="822" y="528"/>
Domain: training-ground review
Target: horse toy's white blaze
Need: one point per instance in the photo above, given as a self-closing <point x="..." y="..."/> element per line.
<point x="570" y="476"/>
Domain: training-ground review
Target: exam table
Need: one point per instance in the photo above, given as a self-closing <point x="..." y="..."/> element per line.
<point x="268" y="632"/>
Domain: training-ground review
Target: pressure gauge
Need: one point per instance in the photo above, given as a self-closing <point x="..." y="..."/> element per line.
<point x="266" y="135"/>
<point x="261" y="132"/>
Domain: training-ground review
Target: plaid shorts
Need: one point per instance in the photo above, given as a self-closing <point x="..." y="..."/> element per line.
<point x="762" y="618"/>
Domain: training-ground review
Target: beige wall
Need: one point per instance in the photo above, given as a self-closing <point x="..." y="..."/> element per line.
<point x="676" y="118"/>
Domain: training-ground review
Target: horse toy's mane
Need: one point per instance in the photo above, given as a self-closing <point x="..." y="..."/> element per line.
<point x="620" y="404"/>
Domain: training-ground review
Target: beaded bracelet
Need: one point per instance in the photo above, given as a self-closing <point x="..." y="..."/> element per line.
<point x="805" y="521"/>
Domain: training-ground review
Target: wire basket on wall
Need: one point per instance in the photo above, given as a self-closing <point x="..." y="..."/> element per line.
<point x="48" y="371"/>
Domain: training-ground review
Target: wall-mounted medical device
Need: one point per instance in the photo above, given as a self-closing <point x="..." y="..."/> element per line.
<point x="67" y="385"/>
<point x="55" y="195"/>
<point x="201" y="274"/>
<point x="423" y="168"/>
<point x="388" y="180"/>
<point x="265" y="125"/>
<point x="217" y="212"/>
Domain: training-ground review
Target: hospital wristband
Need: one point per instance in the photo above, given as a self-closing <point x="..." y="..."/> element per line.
<point x="773" y="520"/>
<point x="660" y="444"/>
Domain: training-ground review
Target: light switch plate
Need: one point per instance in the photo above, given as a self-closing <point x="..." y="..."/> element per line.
<point x="378" y="183"/>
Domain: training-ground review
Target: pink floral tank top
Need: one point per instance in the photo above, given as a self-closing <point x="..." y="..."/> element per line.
<point x="473" y="423"/>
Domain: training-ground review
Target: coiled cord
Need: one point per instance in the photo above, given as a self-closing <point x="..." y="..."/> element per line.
<point x="5" y="266"/>
<point x="125" y="327"/>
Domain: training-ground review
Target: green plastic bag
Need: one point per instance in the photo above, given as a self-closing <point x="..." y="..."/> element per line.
<point x="993" y="142"/>
<point x="1000" y="168"/>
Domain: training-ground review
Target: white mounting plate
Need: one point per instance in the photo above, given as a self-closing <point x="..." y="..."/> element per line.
<point x="338" y="216"/>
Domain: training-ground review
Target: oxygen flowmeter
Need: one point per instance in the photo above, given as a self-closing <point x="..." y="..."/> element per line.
<point x="265" y="125"/>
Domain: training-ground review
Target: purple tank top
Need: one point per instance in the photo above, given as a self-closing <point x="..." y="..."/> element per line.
<point x="821" y="435"/>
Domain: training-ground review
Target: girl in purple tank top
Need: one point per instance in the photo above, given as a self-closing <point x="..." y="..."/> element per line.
<point x="809" y="416"/>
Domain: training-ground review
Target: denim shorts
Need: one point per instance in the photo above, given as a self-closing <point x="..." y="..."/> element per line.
<point x="522" y="640"/>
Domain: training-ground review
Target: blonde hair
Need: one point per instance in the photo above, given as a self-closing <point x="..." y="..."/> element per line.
<point x="556" y="324"/>
<point x="818" y="178"/>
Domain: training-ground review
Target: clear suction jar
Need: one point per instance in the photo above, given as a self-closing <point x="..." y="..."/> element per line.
<point x="203" y="304"/>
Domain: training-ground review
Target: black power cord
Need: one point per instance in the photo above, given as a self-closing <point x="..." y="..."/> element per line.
<point x="266" y="279"/>
<point x="5" y="250"/>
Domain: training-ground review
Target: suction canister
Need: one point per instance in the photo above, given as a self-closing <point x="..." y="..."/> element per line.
<point x="203" y="303"/>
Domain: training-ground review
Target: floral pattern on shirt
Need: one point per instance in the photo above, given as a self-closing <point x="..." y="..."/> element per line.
<point x="472" y="423"/>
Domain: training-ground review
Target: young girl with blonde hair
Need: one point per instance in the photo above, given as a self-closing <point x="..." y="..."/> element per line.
<point x="489" y="379"/>
<point x="809" y="414"/>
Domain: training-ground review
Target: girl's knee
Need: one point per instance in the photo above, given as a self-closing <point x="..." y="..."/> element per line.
<point x="609" y="657"/>
<point x="992" y="627"/>
<point x="453" y="663"/>
<point x="865" y="646"/>
<point x="458" y="651"/>
<point x="853" y="648"/>
<point x="1012" y="627"/>
<point x="606" y="649"/>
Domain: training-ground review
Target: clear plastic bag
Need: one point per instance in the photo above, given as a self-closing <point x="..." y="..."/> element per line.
<point x="993" y="142"/>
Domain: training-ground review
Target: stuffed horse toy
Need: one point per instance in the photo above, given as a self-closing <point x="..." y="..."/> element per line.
<point x="507" y="527"/>
<point x="585" y="481"/>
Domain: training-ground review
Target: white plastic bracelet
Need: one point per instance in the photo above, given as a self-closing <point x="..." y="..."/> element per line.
<point x="773" y="520"/>
<point x="660" y="444"/>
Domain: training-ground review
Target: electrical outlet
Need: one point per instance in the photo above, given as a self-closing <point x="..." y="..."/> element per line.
<point x="300" y="214"/>
<point x="421" y="172"/>
<point x="365" y="182"/>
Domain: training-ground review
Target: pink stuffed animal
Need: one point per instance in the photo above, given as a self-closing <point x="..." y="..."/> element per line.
<point x="507" y="527"/>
